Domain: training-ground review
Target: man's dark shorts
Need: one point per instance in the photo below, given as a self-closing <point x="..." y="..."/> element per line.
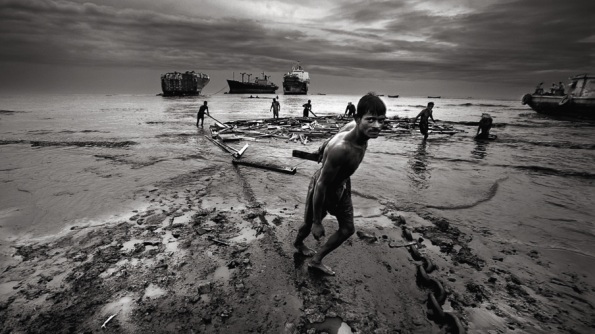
<point x="337" y="203"/>
<point x="423" y="128"/>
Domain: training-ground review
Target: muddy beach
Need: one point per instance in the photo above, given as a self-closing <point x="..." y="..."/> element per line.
<point x="211" y="253"/>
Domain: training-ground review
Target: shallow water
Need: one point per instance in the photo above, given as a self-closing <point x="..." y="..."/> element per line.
<point x="88" y="159"/>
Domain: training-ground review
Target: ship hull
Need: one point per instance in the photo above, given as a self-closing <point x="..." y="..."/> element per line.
<point x="237" y="87"/>
<point x="295" y="87"/>
<point x="581" y="107"/>
<point x="183" y="84"/>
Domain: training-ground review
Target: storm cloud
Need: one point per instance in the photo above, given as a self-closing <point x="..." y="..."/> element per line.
<point x="510" y="42"/>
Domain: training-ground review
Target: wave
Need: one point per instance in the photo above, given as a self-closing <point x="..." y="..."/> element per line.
<point x="475" y="123"/>
<point x="489" y="195"/>
<point x="565" y="145"/>
<point x="553" y="171"/>
<point x="8" y="142"/>
<point x="10" y="112"/>
<point x="479" y="105"/>
<point x="531" y="168"/>
<point x="39" y="143"/>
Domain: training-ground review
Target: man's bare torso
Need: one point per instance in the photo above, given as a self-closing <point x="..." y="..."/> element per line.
<point x="346" y="156"/>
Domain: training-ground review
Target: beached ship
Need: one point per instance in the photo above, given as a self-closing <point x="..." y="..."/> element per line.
<point x="297" y="81"/>
<point x="258" y="86"/>
<point x="578" y="101"/>
<point x="183" y="84"/>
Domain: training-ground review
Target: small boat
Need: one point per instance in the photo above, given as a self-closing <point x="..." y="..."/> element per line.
<point x="393" y="96"/>
<point x="578" y="101"/>
<point x="258" y="86"/>
<point x="434" y="97"/>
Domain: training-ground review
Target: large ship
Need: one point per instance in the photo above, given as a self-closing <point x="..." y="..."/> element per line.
<point x="183" y="84"/>
<point x="297" y="81"/>
<point x="577" y="101"/>
<point x="258" y="86"/>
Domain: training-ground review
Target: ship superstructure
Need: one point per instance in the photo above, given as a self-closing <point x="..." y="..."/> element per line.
<point x="297" y="81"/>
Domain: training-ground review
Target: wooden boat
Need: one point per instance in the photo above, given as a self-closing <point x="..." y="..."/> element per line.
<point x="434" y="97"/>
<point x="578" y="101"/>
<point x="393" y="96"/>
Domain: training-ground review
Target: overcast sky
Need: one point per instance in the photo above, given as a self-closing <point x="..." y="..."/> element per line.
<point x="457" y="48"/>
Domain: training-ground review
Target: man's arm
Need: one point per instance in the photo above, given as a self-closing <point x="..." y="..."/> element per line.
<point x="207" y="110"/>
<point x="418" y="116"/>
<point x="432" y="117"/>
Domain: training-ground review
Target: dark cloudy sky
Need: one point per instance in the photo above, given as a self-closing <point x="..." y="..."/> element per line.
<point x="458" y="48"/>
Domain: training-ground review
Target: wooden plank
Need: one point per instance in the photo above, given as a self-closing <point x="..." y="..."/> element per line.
<point x="305" y="155"/>
<point x="266" y="165"/>
<point x="220" y="145"/>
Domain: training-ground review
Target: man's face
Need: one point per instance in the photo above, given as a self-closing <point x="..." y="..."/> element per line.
<point x="370" y="124"/>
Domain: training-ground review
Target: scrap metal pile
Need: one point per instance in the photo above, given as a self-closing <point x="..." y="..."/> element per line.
<point x="302" y="129"/>
<point x="306" y="129"/>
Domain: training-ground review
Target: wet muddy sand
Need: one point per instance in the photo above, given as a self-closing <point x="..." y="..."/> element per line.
<point x="212" y="253"/>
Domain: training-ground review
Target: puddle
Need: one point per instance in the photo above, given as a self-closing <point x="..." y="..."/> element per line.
<point x="229" y="203"/>
<point x="186" y="218"/>
<point x="332" y="326"/>
<point x="153" y="291"/>
<point x="222" y="273"/>
<point x="122" y="307"/>
<point x="246" y="234"/>
<point x="413" y="219"/>
<point x="6" y="289"/>
<point x="129" y="245"/>
<point x="171" y="243"/>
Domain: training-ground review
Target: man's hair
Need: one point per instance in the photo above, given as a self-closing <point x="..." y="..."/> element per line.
<point x="370" y="103"/>
<point x="430" y="104"/>
<point x="205" y="102"/>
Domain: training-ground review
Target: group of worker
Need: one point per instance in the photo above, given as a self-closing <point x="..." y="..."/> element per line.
<point x="329" y="191"/>
<point x="483" y="130"/>
<point x="558" y="89"/>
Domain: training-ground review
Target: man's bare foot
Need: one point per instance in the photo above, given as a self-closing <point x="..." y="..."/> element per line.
<point x="321" y="267"/>
<point x="304" y="250"/>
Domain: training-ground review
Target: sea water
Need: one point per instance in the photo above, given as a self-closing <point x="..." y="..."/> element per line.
<point x="70" y="160"/>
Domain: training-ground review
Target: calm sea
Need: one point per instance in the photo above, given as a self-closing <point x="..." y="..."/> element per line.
<point x="64" y="160"/>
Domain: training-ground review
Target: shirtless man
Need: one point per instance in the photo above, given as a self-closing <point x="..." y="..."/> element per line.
<point x="424" y="116"/>
<point x="330" y="186"/>
<point x="307" y="109"/>
<point x="350" y="110"/>
<point x="200" y="115"/>
<point x="485" y="124"/>
<point x="275" y="107"/>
